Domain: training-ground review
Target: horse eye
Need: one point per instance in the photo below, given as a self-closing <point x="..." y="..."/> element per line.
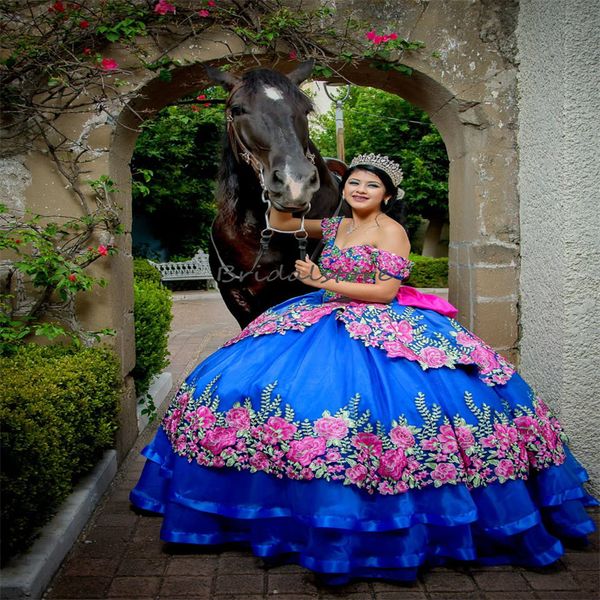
<point x="237" y="110"/>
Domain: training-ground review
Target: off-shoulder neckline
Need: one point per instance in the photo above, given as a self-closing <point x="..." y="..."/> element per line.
<point x="334" y="236"/>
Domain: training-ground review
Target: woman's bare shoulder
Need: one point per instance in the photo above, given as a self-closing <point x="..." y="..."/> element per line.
<point x="393" y="237"/>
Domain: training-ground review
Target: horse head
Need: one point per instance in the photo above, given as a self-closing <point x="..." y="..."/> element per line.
<point x="267" y="126"/>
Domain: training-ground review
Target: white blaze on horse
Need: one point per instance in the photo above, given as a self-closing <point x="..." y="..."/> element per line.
<point x="267" y="158"/>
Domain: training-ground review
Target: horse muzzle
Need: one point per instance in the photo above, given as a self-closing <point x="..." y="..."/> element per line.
<point x="292" y="191"/>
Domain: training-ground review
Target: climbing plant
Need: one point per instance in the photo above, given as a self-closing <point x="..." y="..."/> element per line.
<point x="64" y="58"/>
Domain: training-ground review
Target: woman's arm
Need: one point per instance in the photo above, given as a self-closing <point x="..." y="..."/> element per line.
<point x="285" y="221"/>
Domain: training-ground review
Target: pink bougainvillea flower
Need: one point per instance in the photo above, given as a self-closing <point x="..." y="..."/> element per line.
<point x="378" y="39"/>
<point x="370" y="35"/>
<point x="109" y="64"/>
<point x="102" y="250"/>
<point x="393" y="36"/>
<point x="72" y="277"/>
<point x="204" y="13"/>
<point x="84" y="24"/>
<point x="164" y="7"/>
<point x="293" y="55"/>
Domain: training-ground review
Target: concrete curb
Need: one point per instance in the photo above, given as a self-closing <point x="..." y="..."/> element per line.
<point x="159" y="391"/>
<point x="28" y="576"/>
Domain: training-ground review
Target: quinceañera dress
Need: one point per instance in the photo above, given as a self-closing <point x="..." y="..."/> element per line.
<point x="364" y="440"/>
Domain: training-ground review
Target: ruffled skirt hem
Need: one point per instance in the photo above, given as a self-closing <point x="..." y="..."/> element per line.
<point x="344" y="534"/>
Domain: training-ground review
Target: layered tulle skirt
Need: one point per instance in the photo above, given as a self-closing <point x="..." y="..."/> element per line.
<point x="315" y="446"/>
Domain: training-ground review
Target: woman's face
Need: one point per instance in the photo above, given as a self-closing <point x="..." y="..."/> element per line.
<point x="364" y="190"/>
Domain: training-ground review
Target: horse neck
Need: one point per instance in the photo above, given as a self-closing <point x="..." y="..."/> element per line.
<point x="237" y="179"/>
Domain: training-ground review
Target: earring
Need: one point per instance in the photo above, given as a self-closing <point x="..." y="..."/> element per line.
<point x="386" y="201"/>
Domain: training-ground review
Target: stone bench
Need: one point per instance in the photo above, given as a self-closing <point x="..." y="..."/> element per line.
<point x="197" y="268"/>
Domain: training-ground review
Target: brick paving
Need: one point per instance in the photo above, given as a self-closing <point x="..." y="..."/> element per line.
<point x="120" y="556"/>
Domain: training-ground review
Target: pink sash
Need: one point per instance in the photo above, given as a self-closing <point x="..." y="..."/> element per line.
<point x="410" y="296"/>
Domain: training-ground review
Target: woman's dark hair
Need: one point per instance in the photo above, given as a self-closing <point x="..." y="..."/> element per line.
<point x="395" y="208"/>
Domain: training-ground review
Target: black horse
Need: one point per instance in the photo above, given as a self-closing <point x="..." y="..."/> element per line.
<point x="267" y="154"/>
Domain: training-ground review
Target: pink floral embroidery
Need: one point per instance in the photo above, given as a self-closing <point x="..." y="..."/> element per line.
<point x="343" y="447"/>
<point x="331" y="428"/>
<point x="398" y="330"/>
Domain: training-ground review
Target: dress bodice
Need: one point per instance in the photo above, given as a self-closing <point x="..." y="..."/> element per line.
<point x="360" y="263"/>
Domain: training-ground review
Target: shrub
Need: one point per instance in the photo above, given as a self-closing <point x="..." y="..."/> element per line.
<point x="142" y="269"/>
<point x="59" y="413"/>
<point x="428" y="272"/>
<point x="152" y="313"/>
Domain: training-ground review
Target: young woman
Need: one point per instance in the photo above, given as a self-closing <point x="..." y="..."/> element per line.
<point x="359" y="430"/>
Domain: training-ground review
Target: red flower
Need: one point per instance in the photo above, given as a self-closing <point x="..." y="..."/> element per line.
<point x="109" y="64"/>
<point x="58" y="7"/>
<point x="102" y="250"/>
<point x="370" y="35"/>
<point x="195" y="108"/>
<point x="84" y="24"/>
<point x="393" y="36"/>
<point x="72" y="277"/>
<point x="201" y="97"/>
<point x="17" y="241"/>
<point x="203" y="13"/>
<point x="206" y="104"/>
<point x="211" y="3"/>
<point x="293" y="55"/>
<point x="378" y="39"/>
<point x="87" y="51"/>
<point x="163" y="7"/>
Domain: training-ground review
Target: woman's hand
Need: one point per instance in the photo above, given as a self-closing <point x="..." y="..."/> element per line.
<point x="308" y="272"/>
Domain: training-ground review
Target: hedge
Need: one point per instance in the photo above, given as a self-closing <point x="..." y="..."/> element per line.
<point x="142" y="269"/>
<point x="58" y="411"/>
<point x="428" y="272"/>
<point x="152" y="315"/>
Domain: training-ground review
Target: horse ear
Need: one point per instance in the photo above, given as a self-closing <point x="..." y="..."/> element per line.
<point x="223" y="78"/>
<point x="302" y="72"/>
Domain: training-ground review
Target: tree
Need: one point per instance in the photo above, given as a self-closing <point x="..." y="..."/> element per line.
<point x="174" y="167"/>
<point x="383" y="123"/>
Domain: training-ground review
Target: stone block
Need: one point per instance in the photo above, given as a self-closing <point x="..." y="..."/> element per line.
<point x="491" y="581"/>
<point x="186" y="587"/>
<point x="80" y="587"/>
<point x="495" y="282"/>
<point x="133" y="587"/>
<point x="495" y="254"/>
<point x="551" y="581"/>
<point x="448" y="582"/>
<point x="241" y="584"/>
<point x="128" y="426"/>
<point x="459" y="293"/>
<point x="496" y="323"/>
<point x="100" y="137"/>
<point x="192" y="565"/>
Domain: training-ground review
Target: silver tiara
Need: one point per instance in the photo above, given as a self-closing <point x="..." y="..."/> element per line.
<point x="381" y="162"/>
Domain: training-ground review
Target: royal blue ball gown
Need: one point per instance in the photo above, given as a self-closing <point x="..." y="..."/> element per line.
<point x="363" y="440"/>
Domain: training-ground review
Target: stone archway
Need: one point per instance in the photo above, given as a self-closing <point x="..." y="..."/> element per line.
<point x="465" y="83"/>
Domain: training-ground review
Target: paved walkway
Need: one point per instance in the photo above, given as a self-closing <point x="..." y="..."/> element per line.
<point x="119" y="555"/>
